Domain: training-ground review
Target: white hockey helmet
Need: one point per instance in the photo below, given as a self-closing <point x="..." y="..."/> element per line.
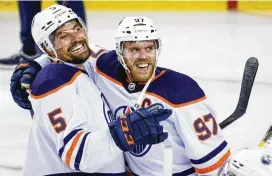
<point x="251" y="162"/>
<point x="137" y="28"/>
<point x="48" y="20"/>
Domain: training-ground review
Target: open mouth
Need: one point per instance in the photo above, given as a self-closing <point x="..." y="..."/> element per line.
<point x="78" y="48"/>
<point x="142" y="65"/>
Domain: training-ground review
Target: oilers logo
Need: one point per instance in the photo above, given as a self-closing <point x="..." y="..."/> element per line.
<point x="138" y="150"/>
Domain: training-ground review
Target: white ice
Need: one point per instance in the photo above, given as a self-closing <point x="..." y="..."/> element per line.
<point x="210" y="47"/>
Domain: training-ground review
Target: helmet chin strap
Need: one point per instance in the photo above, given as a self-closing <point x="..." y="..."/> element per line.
<point x="56" y="59"/>
<point x="140" y="98"/>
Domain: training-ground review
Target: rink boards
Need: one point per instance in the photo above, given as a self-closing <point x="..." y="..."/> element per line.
<point x="155" y="5"/>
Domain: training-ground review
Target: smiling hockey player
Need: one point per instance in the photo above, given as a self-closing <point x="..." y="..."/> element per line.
<point x="69" y="133"/>
<point x="129" y="78"/>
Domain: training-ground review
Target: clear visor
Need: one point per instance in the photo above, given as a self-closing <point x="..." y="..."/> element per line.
<point x="68" y="37"/>
<point x="139" y="49"/>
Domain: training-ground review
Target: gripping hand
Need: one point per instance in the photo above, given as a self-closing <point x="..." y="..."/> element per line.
<point x="140" y="127"/>
<point x="21" y="80"/>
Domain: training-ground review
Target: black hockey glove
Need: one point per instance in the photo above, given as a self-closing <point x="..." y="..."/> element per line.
<point x="21" y="80"/>
<point x="140" y="127"/>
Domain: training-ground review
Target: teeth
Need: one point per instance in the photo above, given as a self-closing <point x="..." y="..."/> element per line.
<point x="142" y="65"/>
<point x="78" y="47"/>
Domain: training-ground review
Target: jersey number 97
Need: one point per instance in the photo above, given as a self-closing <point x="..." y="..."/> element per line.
<point x="203" y="131"/>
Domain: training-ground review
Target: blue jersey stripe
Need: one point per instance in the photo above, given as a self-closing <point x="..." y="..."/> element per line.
<point x="186" y="172"/>
<point x="211" y="154"/>
<point x="67" y="139"/>
<point x="80" y="152"/>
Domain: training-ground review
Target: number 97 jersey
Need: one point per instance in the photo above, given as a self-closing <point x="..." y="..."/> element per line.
<point x="197" y="142"/>
<point x="196" y="139"/>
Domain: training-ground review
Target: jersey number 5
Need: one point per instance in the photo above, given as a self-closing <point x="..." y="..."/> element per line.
<point x="56" y="120"/>
<point x="203" y="130"/>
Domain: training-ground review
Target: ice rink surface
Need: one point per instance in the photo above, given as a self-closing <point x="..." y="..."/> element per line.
<point x="211" y="47"/>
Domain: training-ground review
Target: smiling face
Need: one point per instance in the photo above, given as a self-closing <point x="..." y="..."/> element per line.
<point x="140" y="58"/>
<point x="71" y="43"/>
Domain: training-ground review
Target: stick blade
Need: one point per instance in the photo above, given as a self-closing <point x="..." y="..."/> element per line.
<point x="249" y="75"/>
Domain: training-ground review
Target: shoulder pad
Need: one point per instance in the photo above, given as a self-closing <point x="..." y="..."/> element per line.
<point x="52" y="78"/>
<point x="108" y="66"/>
<point x="176" y="89"/>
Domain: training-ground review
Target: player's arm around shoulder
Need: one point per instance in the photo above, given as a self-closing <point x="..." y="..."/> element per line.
<point x="198" y="128"/>
<point x="61" y="110"/>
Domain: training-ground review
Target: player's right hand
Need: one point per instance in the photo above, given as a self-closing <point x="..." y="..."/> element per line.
<point x="21" y="81"/>
<point x="140" y="127"/>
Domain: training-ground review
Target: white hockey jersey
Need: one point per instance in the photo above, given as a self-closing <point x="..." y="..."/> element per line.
<point x="69" y="133"/>
<point x="196" y="139"/>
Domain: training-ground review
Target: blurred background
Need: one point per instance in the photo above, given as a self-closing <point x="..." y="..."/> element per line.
<point x="207" y="40"/>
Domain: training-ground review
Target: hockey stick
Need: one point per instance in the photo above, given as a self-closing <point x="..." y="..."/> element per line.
<point x="267" y="136"/>
<point x="250" y="72"/>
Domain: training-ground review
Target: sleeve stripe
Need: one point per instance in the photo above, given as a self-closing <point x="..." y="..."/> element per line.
<point x="72" y="148"/>
<point x="67" y="139"/>
<point x="80" y="152"/>
<point x="211" y="154"/>
<point x="215" y="166"/>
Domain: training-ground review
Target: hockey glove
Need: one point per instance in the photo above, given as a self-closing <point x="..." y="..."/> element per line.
<point x="21" y="80"/>
<point x="140" y="127"/>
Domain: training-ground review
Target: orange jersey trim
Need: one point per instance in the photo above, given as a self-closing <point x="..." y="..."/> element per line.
<point x="175" y="105"/>
<point x="156" y="77"/>
<point x="72" y="148"/>
<point x="108" y="77"/>
<point x="215" y="166"/>
<point x="58" y="88"/>
<point x="119" y="83"/>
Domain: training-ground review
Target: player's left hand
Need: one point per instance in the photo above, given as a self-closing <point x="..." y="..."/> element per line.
<point x="21" y="80"/>
<point x="140" y="127"/>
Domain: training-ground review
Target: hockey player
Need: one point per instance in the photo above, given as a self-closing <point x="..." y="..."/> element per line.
<point x="69" y="133"/>
<point x="129" y="78"/>
<point x="29" y="50"/>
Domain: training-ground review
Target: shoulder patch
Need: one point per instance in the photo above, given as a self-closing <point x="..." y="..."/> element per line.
<point x="176" y="89"/>
<point x="52" y="78"/>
